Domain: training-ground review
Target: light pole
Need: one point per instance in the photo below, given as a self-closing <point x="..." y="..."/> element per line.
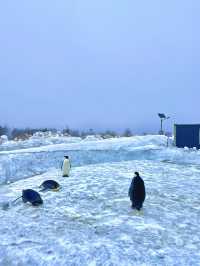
<point x="162" y="117"/>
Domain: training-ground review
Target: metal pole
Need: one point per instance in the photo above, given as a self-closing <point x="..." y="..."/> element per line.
<point x="161" y="126"/>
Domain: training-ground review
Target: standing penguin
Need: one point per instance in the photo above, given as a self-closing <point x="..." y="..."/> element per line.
<point x="66" y="166"/>
<point x="137" y="192"/>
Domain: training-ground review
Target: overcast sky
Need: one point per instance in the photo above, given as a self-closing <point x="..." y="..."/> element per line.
<point x="99" y="64"/>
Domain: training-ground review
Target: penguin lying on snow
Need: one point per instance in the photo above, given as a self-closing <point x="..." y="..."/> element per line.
<point x="32" y="196"/>
<point x="28" y="195"/>
<point x="50" y="185"/>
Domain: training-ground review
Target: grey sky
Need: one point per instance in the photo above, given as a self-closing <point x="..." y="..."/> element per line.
<point x="99" y="64"/>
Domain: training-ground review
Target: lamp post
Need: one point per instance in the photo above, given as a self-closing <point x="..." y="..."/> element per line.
<point x="162" y="117"/>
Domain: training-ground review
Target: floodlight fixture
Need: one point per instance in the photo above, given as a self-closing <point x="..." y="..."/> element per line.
<point x="162" y="116"/>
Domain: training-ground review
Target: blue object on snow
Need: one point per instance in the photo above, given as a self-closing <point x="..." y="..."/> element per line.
<point x="187" y="135"/>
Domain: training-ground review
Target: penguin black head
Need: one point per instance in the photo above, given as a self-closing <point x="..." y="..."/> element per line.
<point x="66" y="157"/>
<point x="137" y="174"/>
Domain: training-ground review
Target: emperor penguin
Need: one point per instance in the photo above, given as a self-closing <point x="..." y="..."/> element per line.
<point x="66" y="166"/>
<point x="137" y="192"/>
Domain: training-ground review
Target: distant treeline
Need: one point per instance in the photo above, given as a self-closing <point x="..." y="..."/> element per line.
<point x="25" y="133"/>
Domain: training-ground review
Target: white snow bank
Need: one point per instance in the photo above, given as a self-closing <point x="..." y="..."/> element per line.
<point x="19" y="164"/>
<point x="92" y="138"/>
<point x="89" y="222"/>
<point x="36" y="141"/>
<point x="24" y="163"/>
<point x="151" y="141"/>
<point x="3" y="139"/>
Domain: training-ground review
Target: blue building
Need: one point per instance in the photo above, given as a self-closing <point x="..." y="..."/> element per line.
<point x="187" y="135"/>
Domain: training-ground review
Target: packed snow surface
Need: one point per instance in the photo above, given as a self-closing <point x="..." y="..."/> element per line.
<point x="89" y="221"/>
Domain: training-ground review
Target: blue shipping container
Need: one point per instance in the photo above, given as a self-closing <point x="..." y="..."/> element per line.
<point x="187" y="135"/>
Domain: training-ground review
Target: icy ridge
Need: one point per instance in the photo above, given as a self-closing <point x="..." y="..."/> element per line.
<point x="19" y="164"/>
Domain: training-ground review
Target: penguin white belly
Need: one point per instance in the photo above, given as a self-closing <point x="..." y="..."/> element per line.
<point x="66" y="168"/>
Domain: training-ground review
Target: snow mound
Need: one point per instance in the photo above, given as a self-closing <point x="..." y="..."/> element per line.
<point x="92" y="138"/>
<point x="36" y="141"/>
<point x="20" y="164"/>
<point x="3" y="139"/>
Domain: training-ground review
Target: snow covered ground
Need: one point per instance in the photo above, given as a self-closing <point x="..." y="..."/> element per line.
<point x="89" y="221"/>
